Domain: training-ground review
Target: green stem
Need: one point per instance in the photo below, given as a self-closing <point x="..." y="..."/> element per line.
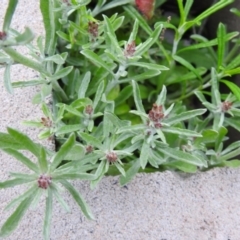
<point x="19" y="58"/>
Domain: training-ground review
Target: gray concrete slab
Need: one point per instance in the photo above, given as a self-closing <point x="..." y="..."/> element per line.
<point x="160" y="206"/>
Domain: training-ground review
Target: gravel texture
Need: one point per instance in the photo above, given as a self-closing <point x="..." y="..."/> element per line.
<point x="161" y="206"/>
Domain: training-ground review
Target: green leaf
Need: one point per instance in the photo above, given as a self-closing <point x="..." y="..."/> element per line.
<point x="96" y="59"/>
<point x="233" y="87"/>
<point x="133" y="128"/>
<point x="50" y="20"/>
<point x="48" y="215"/>
<point x="134" y="14"/>
<point x="185" y="116"/>
<point x="7" y="141"/>
<point x="232" y="163"/>
<point x="233" y="123"/>
<point x="233" y="146"/>
<point x="21" y="59"/>
<point x="221" y="34"/>
<point x="134" y="32"/>
<point x="68" y="129"/>
<point x="9" y="14"/>
<point x="14" y="182"/>
<point x="181" y="131"/>
<point x="12" y="222"/>
<point x="125" y="93"/>
<point x="55" y="189"/>
<point x="232" y="71"/>
<point x="110" y="5"/>
<point x="26" y="37"/>
<point x="143" y="76"/>
<point x="137" y="98"/>
<point x="28" y="83"/>
<point x="181" y="11"/>
<point x="84" y="85"/>
<point x="61" y="73"/>
<point x="187" y="8"/>
<point x="120" y="168"/>
<point x="208" y="136"/>
<point x="235" y="11"/>
<point x="30" y="192"/>
<point x="62" y="152"/>
<point x="67" y="176"/>
<point x="25" y="141"/>
<point x="78" y="198"/>
<point x="141" y="49"/>
<point x="130" y="173"/>
<point x="112" y="36"/>
<point x="58" y="59"/>
<point x="182" y="156"/>
<point x="7" y="79"/>
<point x="118" y="123"/>
<point x="42" y="161"/>
<point x="45" y="134"/>
<point x="188" y="65"/>
<point x="23" y="159"/>
<point x="98" y="94"/>
<point x="162" y="96"/>
<point x="151" y="66"/>
<point x="219" y="5"/>
<point x="183" y="166"/>
<point x="76" y="153"/>
<point x="91" y="140"/>
<point x="209" y="43"/>
<point x="145" y="151"/>
<point x="221" y="134"/>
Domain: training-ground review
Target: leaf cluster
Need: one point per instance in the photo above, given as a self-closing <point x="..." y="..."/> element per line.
<point x="125" y="98"/>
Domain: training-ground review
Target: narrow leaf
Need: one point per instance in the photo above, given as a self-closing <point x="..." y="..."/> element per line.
<point x="9" y="14"/>
<point x="62" y="152"/>
<point x="48" y="215"/>
<point x="23" y="159"/>
<point x="130" y="173"/>
<point x="78" y="198"/>
<point x="25" y="141"/>
<point x="7" y="79"/>
<point x="12" y="222"/>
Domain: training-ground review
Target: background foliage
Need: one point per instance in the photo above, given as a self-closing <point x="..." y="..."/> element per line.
<point x="132" y="91"/>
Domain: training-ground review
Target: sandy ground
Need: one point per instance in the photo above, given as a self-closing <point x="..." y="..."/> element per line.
<point x="161" y="206"/>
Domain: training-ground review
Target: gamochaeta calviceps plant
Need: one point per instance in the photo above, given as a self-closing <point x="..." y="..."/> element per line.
<point x="125" y="96"/>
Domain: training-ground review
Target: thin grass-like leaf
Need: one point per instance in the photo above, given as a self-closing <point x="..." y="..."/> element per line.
<point x="25" y="141"/>
<point x="23" y="159"/>
<point x="48" y="215"/>
<point x="14" y="182"/>
<point x="62" y="152"/>
<point x="7" y="79"/>
<point x="84" y="85"/>
<point x="30" y="192"/>
<point x="12" y="4"/>
<point x="12" y="222"/>
<point x="42" y="161"/>
<point x="78" y="198"/>
<point x="130" y="173"/>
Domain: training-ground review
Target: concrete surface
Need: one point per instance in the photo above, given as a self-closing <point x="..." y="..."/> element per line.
<point x="161" y="206"/>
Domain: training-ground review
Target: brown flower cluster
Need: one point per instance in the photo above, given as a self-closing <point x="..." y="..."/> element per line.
<point x="130" y="49"/>
<point x="226" y="106"/>
<point x="89" y="110"/>
<point x="156" y="115"/>
<point x="3" y="35"/>
<point x="46" y="122"/>
<point x="44" y="181"/>
<point x="111" y="157"/>
<point x="93" y="30"/>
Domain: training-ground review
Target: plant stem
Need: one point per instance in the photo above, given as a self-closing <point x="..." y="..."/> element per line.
<point x="19" y="58"/>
